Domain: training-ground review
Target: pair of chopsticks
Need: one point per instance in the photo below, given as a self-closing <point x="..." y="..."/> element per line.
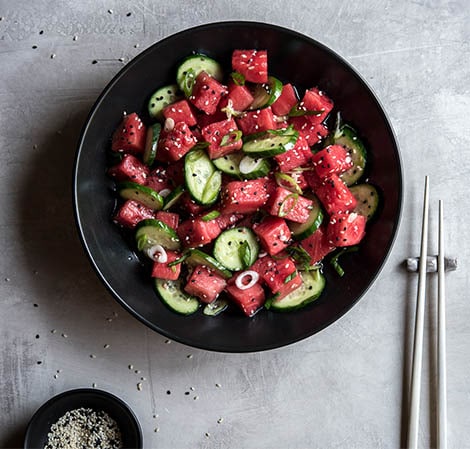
<point x="415" y="392"/>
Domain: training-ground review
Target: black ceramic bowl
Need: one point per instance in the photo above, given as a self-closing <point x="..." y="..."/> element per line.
<point x="293" y="58"/>
<point x="50" y="412"/>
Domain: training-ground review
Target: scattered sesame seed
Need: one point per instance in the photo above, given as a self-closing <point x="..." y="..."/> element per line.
<point x="7" y="279"/>
<point x="220" y="420"/>
<point x="156" y="430"/>
<point x="64" y="335"/>
<point x="53" y="55"/>
<point x="139" y="386"/>
<point x="207" y="434"/>
<point x="53" y="331"/>
<point x="92" y="356"/>
<point x="196" y="398"/>
<point x="131" y="366"/>
<point x="75" y="38"/>
<point x="94" y="385"/>
<point x="189" y="356"/>
<point x="110" y="11"/>
<point x="106" y="346"/>
<point x="167" y="342"/>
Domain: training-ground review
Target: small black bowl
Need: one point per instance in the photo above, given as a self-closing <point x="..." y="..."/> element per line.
<point x="50" y="412"/>
<point x="293" y="58"/>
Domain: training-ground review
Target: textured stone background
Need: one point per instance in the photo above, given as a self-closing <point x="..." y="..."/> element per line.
<point x="343" y="388"/>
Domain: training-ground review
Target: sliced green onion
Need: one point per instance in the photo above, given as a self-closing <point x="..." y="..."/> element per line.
<point x="298" y="111"/>
<point x="212" y="215"/>
<point x="338" y="125"/>
<point x="290" y="277"/>
<point x="284" y="209"/>
<point x="334" y="261"/>
<point x="179" y="260"/>
<point x="289" y="131"/>
<point x="238" y="78"/>
<point x="288" y="182"/>
<point x="200" y="146"/>
<point x="231" y="137"/>
<point x="300" y="255"/>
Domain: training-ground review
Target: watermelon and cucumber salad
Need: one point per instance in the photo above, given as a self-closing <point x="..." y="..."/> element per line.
<point x="235" y="190"/>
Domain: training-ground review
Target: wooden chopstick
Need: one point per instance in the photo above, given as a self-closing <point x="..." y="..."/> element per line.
<point x="441" y="339"/>
<point x="415" y="392"/>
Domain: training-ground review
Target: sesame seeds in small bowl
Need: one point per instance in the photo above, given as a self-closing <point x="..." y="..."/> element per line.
<point x="84" y="418"/>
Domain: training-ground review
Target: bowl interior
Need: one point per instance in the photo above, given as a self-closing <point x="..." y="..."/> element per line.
<point x="292" y="58"/>
<point x="55" y="408"/>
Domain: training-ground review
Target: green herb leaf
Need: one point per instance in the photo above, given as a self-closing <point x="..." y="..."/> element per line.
<point x="300" y="255"/>
<point x="245" y="254"/>
<point x="188" y="82"/>
<point x="200" y="146"/>
<point x="289" y="131"/>
<point x="179" y="260"/>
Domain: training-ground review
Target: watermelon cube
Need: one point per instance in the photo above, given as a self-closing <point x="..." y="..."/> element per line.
<point x="131" y="212"/>
<point x="205" y="284"/>
<point x="250" y="300"/>
<point x="334" y="159"/>
<point x="346" y="229"/>
<point x="196" y="232"/>
<point x="280" y="276"/>
<point x="174" y="144"/>
<point x="317" y="245"/>
<point x="335" y="196"/>
<point x="285" y="204"/>
<point x="313" y="132"/>
<point x="161" y="270"/>
<point x="286" y="101"/>
<point x="158" y="179"/>
<point x="257" y="121"/>
<point x="223" y="138"/>
<point x="297" y="156"/>
<point x="238" y="98"/>
<point x="300" y="179"/>
<point x="244" y="197"/>
<point x="252" y="64"/>
<point x="206" y="93"/>
<point x="190" y="206"/>
<point x="130" y="135"/>
<point x="316" y="100"/>
<point x="273" y="233"/>
<point x="169" y="218"/>
<point x="129" y="169"/>
<point x="227" y="220"/>
<point x="180" y="111"/>
<point x="175" y="172"/>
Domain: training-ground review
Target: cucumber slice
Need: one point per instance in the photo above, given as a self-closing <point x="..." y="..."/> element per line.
<point x="236" y="248"/>
<point x="143" y="194"/>
<point x="311" y="288"/>
<point x="348" y="137"/>
<point x="229" y="163"/>
<point x="215" y="307"/>
<point x="192" y="66"/>
<point x="173" y="197"/>
<point x="172" y="294"/>
<point x="301" y="231"/>
<point x="269" y="144"/>
<point x="251" y="168"/>
<point x="266" y="94"/>
<point x="367" y="199"/>
<point x="161" y="98"/>
<point x="198" y="257"/>
<point x="202" y="179"/>
<point x="150" y="151"/>
<point x="152" y="232"/>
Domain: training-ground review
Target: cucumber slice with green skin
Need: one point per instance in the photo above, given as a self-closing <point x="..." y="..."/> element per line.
<point x="269" y="144"/>
<point x="192" y="66"/>
<point x="202" y="179"/>
<point x="229" y="163"/>
<point x="311" y="288"/>
<point x="252" y="168"/>
<point x="173" y="197"/>
<point x="301" y="231"/>
<point x="151" y="232"/>
<point x="143" y="194"/>
<point x="367" y="199"/>
<point x="236" y="248"/>
<point x="215" y="307"/>
<point x="266" y="94"/>
<point x="198" y="257"/>
<point x="161" y="98"/>
<point x="347" y="137"/>
<point x="151" y="143"/>
<point x="173" y="295"/>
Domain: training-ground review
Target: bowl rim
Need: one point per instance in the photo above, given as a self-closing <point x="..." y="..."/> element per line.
<point x="216" y="346"/>
<point x="111" y="398"/>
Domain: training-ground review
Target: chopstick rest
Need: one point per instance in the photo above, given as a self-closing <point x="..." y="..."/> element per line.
<point x="412" y="264"/>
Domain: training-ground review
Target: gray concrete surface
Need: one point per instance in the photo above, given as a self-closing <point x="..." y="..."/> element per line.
<point x="343" y="388"/>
